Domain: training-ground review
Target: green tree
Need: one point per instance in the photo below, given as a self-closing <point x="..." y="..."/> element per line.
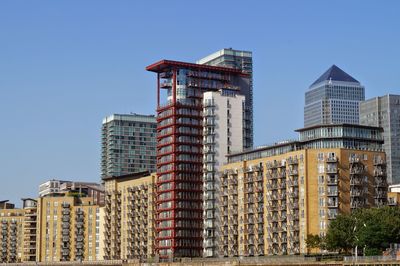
<point x="372" y="230"/>
<point x="340" y="236"/>
<point x="315" y="241"/>
<point x="377" y="228"/>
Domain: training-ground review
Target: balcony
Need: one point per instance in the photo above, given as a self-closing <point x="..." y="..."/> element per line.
<point x="332" y="181"/>
<point x="165" y="84"/>
<point x="331" y="159"/>
<point x="356" y="193"/>
<point x="356" y="170"/>
<point x="332" y="204"/>
<point x="379" y="161"/>
<point x="356" y="182"/>
<point x="331" y="170"/>
<point x="392" y="202"/>
<point x="292" y="160"/>
<point x="380" y="195"/>
<point x="271" y="165"/>
<point x="293" y="172"/>
<point x="332" y="193"/>
<point x="379" y="173"/>
<point x="355" y="204"/>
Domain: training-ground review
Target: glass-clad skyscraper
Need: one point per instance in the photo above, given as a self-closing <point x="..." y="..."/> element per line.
<point x="384" y="112"/>
<point x="333" y="98"/>
<point x="128" y="144"/>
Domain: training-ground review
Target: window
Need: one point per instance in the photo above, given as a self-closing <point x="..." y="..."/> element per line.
<point x="321" y="168"/>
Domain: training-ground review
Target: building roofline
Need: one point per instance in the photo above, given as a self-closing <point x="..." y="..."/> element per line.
<point x="334" y="73"/>
<point x="222" y="52"/>
<point x="23" y="199"/>
<point x="161" y="65"/>
<point x="380" y="141"/>
<point x="338" y="125"/>
<point x="132" y="117"/>
<point x="266" y="147"/>
<point x="136" y="175"/>
<point x="380" y="97"/>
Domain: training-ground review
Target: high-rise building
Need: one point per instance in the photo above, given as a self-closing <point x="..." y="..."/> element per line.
<point x="179" y="220"/>
<point x="333" y="99"/>
<point x="242" y="60"/>
<point x="272" y="197"/>
<point x="68" y="228"/>
<point x="223" y="133"/>
<point x="385" y="112"/>
<point x="128" y="144"/>
<point x="129" y="212"/>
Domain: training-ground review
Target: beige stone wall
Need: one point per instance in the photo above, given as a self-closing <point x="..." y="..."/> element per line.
<point x="130" y="218"/>
<point x="301" y="191"/>
<point x="11" y="235"/>
<point x="60" y="232"/>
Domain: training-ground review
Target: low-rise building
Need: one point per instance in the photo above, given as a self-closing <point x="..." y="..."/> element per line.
<point x="12" y="233"/>
<point x="30" y="229"/>
<point x="18" y="232"/>
<point x="129" y="216"/>
<point x="68" y="228"/>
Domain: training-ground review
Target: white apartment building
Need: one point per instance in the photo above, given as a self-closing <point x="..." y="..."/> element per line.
<point x="223" y="131"/>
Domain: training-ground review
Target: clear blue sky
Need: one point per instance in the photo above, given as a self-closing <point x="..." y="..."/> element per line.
<point x="64" y="65"/>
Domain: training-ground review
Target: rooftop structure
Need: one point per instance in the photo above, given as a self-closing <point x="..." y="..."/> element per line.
<point x="318" y="137"/>
<point x="61" y="187"/>
<point x="334" y="73"/>
<point x="5" y="204"/>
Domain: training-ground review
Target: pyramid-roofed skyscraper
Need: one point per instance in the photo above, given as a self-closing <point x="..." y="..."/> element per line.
<point x="333" y="99"/>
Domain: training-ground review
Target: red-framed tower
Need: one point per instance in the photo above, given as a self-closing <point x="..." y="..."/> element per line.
<point x="179" y="217"/>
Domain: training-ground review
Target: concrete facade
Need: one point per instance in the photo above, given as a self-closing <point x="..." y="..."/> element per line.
<point x="223" y="131"/>
<point x="242" y="60"/>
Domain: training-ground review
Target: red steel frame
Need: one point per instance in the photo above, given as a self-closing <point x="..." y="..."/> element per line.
<point x="175" y="180"/>
<point x="176" y="183"/>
